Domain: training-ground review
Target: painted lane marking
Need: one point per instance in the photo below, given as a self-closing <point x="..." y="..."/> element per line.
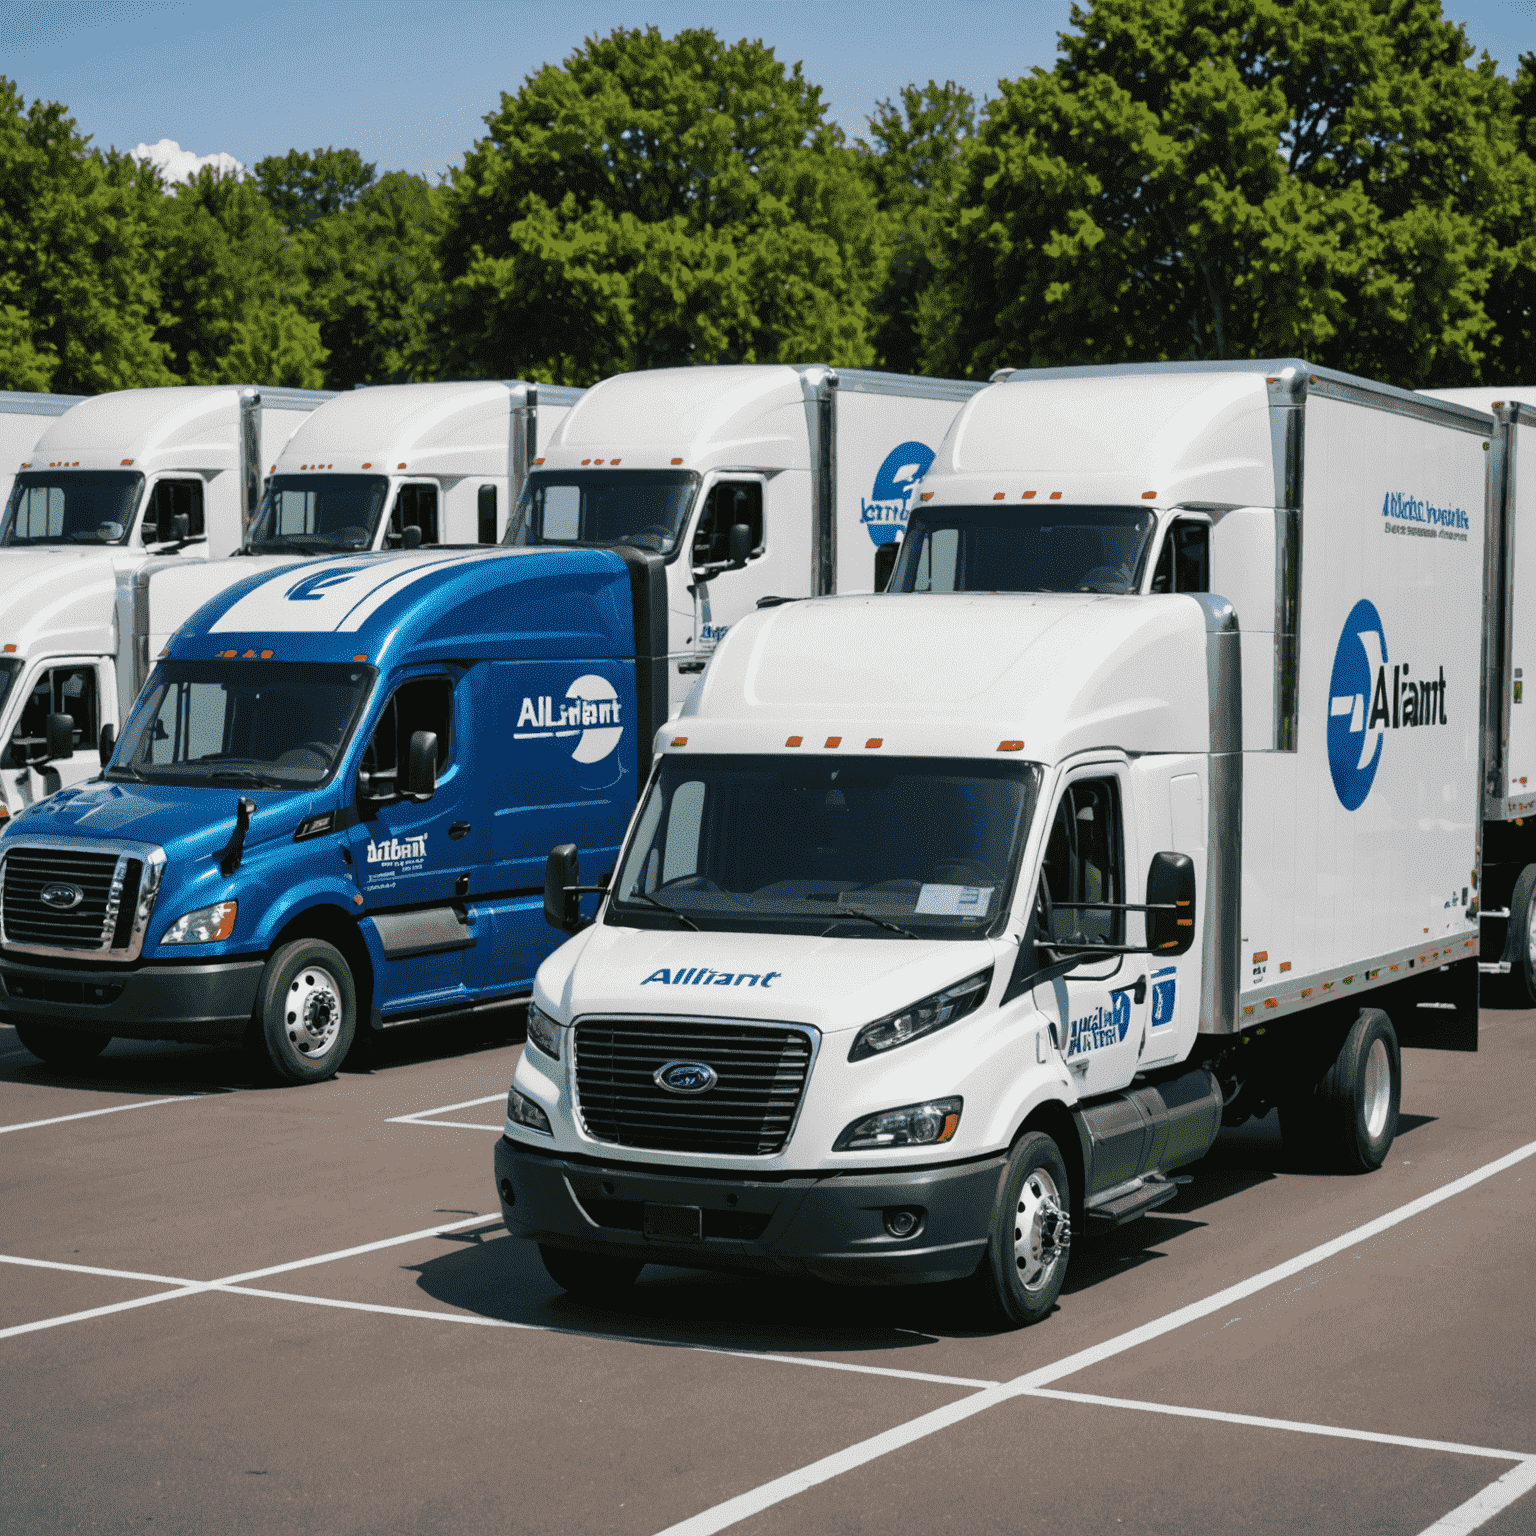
<point x="457" y="1125"/>
<point x="730" y="1512"/>
<point x="86" y="1114"/>
<point x="1484" y="1505"/>
<point x="90" y="1269"/>
<point x="418" y="1116"/>
<point x="116" y="1306"/>
<point x="361" y="1248"/>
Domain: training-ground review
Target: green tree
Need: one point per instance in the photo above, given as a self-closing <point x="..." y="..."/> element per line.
<point x="656" y="201"/>
<point x="1512" y="291"/>
<point x="375" y="284"/>
<point x="305" y="187"/>
<point x="1221" y="178"/>
<point x="916" y="168"/>
<point x="234" y="289"/>
<point x="78" y="257"/>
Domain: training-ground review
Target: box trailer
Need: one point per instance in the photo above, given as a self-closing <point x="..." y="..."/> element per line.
<point x="24" y="417"/>
<point x="954" y="919"/>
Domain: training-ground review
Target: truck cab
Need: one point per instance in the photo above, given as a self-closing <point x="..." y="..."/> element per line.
<point x="328" y="810"/>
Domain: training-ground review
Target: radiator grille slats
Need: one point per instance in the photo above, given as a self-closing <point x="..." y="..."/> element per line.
<point x="762" y="1073"/>
<point x="28" y="920"/>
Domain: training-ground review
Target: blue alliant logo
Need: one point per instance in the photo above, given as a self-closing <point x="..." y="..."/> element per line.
<point x="885" y="513"/>
<point x="703" y="976"/>
<point x="1164" y="983"/>
<point x="685" y="1077"/>
<point x="1365" y="701"/>
<point x="1101" y="1028"/>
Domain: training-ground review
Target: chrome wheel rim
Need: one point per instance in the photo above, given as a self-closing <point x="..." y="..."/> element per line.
<point x="1040" y="1231"/>
<point x="312" y="1012"/>
<point x="1377" y="1093"/>
<point x="1530" y="937"/>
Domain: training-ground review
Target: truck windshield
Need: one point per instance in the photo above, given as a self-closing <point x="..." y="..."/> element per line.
<point x="260" y="724"/>
<point x="77" y="506"/>
<point x="772" y="844"/>
<point x="1024" y="549"/>
<point x="646" y="508"/>
<point x="318" y="514"/>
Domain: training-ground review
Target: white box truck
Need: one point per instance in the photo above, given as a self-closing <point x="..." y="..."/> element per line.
<point x="952" y="922"/>
<point x="753" y="482"/>
<point x="395" y="466"/>
<point x="24" y="417"/>
<point x="116" y="483"/>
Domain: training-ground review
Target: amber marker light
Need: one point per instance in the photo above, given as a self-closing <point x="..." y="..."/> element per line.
<point x="585" y="462"/>
<point x="612" y="462"/>
<point x="1010" y="746"/>
<point x="875" y="741"/>
<point x="10" y="650"/>
<point x="538" y="461"/>
<point x="679" y="741"/>
<point x="368" y="465"/>
<point x="127" y="462"/>
<point x="677" y="461"/>
<point x="1055" y="495"/>
<point x="997" y="495"/>
<point x="266" y="655"/>
<point x="1149" y="495"/>
<point x="925" y="496"/>
<point x="834" y="741"/>
<point x="357" y="901"/>
<point x="793" y="741"/>
<point x="360" y="658"/>
<point x="1028" y="496"/>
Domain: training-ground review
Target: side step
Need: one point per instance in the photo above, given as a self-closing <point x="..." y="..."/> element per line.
<point x="1124" y="1205"/>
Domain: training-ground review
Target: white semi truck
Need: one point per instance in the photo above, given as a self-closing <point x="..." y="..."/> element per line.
<point x="754" y="483"/>
<point x="24" y="417"/>
<point x="953" y="921"/>
<point x="135" y="479"/>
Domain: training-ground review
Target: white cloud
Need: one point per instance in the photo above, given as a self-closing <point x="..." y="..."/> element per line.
<point x="178" y="164"/>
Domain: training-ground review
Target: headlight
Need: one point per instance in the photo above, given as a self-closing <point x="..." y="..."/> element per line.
<point x="521" y="1111"/>
<point x="203" y="926"/>
<point x="921" y="1018"/>
<point x="913" y="1125"/>
<point x="543" y="1032"/>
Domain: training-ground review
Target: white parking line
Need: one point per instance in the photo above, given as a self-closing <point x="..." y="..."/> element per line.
<point x="421" y="1116"/>
<point x="754" y="1501"/>
<point x="91" y="1269"/>
<point x="1484" y="1505"/>
<point x="86" y="1114"/>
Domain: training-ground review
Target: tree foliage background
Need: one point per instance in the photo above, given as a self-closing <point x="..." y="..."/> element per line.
<point x="1347" y="180"/>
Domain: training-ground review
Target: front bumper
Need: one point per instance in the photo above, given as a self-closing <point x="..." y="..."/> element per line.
<point x="153" y="1002"/>
<point x="828" y="1225"/>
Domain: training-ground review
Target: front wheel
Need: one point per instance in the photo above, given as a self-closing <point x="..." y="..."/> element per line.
<point x="1021" y="1276"/>
<point x="306" y="1010"/>
<point x="60" y="1047"/>
<point x="589" y="1276"/>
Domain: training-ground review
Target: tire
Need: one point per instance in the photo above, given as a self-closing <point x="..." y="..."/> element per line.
<point x="1347" y="1123"/>
<point x="60" y="1047"/>
<point x="589" y="1276"/>
<point x="306" y="1010"/>
<point x="1519" y="989"/>
<point x="1026" y="1260"/>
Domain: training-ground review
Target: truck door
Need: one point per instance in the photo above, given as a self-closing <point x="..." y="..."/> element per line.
<point x="415" y="860"/>
<point x="1100" y="1011"/>
<point x="70" y="688"/>
<point x="723" y="594"/>
<point x="416" y="504"/>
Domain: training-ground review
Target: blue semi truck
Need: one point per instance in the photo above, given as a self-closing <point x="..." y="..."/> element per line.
<point x="329" y="809"/>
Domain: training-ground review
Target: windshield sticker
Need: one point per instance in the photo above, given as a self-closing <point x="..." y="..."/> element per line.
<point x="955" y="900"/>
<point x="702" y="976"/>
<point x="393" y="857"/>
<point x="1101" y="1028"/>
<point x="1163" y="983"/>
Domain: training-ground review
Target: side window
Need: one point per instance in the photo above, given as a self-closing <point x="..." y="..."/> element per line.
<point x="1185" y="562"/>
<point x="938" y="559"/>
<point x="729" y="502"/>
<point x="683" y="822"/>
<point x="58" y="691"/>
<point x="486" y="508"/>
<point x="1084" y="863"/>
<point x="423" y="704"/>
<point x="169" y="500"/>
<point x="415" y="507"/>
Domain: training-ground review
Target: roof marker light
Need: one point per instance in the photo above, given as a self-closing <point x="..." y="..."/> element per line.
<point x="834" y="741"/>
<point x="1149" y="495"/>
<point x="357" y="900"/>
<point x="11" y="648"/>
<point x="1028" y="496"/>
<point x="997" y="496"/>
<point x="273" y="470"/>
<point x="679" y="741"/>
<point x="249" y="655"/>
<point x="597" y="461"/>
<point x="399" y="466"/>
<point x="875" y="741"/>
<point x="925" y="496"/>
<point x="792" y="741"/>
<point x="27" y="465"/>
<point x="362" y="657"/>
<point x="538" y="461"/>
<point x="127" y="462"/>
<point x="1055" y="495"/>
<point x="266" y="655"/>
<point x="612" y="461"/>
<point x="677" y="461"/>
<point x="225" y="655"/>
<point x="1010" y="746"/>
<point x="586" y="461"/>
<point x="368" y="465"/>
<point x="1260" y="956"/>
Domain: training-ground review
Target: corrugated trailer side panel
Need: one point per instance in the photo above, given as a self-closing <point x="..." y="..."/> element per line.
<point x="1361" y="846"/>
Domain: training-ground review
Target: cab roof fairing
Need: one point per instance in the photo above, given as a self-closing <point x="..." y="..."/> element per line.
<point x="403" y="608"/>
<point x="59" y="602"/>
<point x="955" y="674"/>
<point x="737" y="416"/>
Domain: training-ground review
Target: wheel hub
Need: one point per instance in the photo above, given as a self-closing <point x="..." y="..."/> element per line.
<point x="1377" y="1088"/>
<point x="1042" y="1231"/>
<point x="313" y="1014"/>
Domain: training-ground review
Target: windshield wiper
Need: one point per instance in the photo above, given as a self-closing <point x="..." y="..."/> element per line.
<point x="247" y="776"/>
<point x="661" y="906"/>
<point x="869" y="917"/>
<point x="127" y="768"/>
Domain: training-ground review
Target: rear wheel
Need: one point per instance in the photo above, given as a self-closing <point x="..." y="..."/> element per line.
<point x="1348" y="1122"/>
<point x="306" y="1010"/>
<point x="589" y="1276"/>
<point x="60" y="1047"/>
<point x="1026" y="1261"/>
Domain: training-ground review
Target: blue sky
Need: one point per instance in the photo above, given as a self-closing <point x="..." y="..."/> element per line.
<point x="408" y="83"/>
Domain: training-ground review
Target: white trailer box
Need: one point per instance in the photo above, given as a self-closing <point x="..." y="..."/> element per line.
<point x="117" y="483"/>
<point x="817" y="466"/>
<point x="24" y="417"/>
<point x="386" y="467"/>
<point x="953" y="921"/>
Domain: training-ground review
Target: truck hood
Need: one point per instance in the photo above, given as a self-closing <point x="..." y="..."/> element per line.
<point x="836" y="984"/>
<point x="60" y="600"/>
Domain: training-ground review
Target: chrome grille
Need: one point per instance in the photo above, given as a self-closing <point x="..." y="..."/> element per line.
<point x="28" y="920"/>
<point x="762" y="1074"/>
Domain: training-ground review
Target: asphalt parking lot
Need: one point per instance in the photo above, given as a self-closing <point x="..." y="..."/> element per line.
<point x="227" y="1307"/>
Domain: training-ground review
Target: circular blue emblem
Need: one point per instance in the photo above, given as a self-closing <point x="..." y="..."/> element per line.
<point x="885" y="513"/>
<point x="685" y="1077"/>
<point x="1354" y="742"/>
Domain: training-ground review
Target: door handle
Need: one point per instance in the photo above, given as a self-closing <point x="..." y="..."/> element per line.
<point x="458" y="829"/>
<point x="1138" y="990"/>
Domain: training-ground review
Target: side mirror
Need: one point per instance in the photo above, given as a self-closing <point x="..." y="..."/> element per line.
<point x="421" y="766"/>
<point x="149" y="534"/>
<point x="741" y="544"/>
<point x="181" y="526"/>
<point x="109" y="533"/>
<point x="410" y="537"/>
<point x="106" y="744"/>
<point x="1171" y="891"/>
<point x="562" y="908"/>
<point x="61" y="737"/>
<point x="885" y="563"/>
